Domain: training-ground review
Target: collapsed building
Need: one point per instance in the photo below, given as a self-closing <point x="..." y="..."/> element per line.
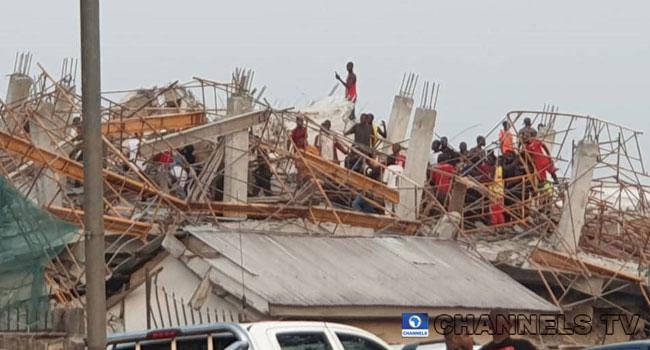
<point x="194" y="236"/>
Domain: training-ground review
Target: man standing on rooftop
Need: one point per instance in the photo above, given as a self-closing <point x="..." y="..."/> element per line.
<point x="350" y="83"/>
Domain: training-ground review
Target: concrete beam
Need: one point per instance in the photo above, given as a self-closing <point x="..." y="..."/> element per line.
<point x="561" y="261"/>
<point x="353" y="218"/>
<point x="572" y="220"/>
<point x="416" y="161"/>
<point x="208" y="131"/>
<point x="399" y="118"/>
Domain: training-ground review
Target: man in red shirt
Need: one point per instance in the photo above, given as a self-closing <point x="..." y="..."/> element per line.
<point x="350" y="83"/>
<point x="541" y="157"/>
<point x="440" y="177"/>
<point x="299" y="134"/>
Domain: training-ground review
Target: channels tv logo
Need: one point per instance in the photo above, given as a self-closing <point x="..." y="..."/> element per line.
<point x="415" y="325"/>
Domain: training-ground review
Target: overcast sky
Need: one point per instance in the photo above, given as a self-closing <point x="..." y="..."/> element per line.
<point x="490" y="57"/>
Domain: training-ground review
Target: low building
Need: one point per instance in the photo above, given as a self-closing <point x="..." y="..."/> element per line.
<point x="363" y="281"/>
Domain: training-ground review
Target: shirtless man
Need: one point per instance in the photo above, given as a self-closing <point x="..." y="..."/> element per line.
<point x="350" y="83"/>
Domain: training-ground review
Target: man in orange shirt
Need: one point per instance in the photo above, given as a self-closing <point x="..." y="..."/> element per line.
<point x="506" y="138"/>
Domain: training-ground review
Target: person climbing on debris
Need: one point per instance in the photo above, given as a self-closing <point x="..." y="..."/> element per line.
<point x="440" y="177"/>
<point x="506" y="138"/>
<point x="433" y="154"/>
<point x="392" y="177"/>
<point x="541" y="158"/>
<point x="462" y="149"/>
<point x="477" y="153"/>
<point x="350" y="83"/>
<point x="485" y="168"/>
<point x="400" y="159"/>
<point x="262" y="175"/>
<point x="450" y="154"/>
<point x="377" y="131"/>
<point x="299" y="135"/>
<point x="362" y="204"/>
<point x="526" y="132"/>
<point x="501" y="327"/>
<point x="362" y="133"/>
<point x="328" y="144"/>
<point x="497" y="216"/>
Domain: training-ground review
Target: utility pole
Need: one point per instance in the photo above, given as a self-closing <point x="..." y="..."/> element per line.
<point x="93" y="176"/>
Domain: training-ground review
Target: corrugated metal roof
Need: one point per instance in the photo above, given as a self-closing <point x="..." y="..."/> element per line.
<point x="366" y="271"/>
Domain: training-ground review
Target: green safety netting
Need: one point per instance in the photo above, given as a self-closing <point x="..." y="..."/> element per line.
<point x="29" y="237"/>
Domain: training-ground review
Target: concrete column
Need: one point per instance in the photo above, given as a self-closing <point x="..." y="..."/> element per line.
<point x="235" y="185"/>
<point x="573" y="212"/>
<point x="398" y="121"/>
<point x="17" y="94"/>
<point x="46" y="188"/>
<point x="416" y="162"/>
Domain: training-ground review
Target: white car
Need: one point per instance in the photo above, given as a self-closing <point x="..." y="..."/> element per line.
<point x="279" y="335"/>
<point x="428" y="345"/>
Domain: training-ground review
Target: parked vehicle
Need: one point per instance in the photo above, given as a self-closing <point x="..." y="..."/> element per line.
<point x="426" y="345"/>
<point x="281" y="335"/>
<point x="630" y="345"/>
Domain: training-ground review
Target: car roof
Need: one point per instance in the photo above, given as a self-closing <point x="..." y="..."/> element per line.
<point x="235" y="328"/>
<point x="620" y="345"/>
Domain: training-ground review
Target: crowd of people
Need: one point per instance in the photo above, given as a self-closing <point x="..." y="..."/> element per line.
<point x="494" y="168"/>
<point x="369" y="153"/>
<point x="514" y="156"/>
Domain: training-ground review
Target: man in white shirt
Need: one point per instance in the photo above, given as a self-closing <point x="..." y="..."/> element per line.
<point x="433" y="155"/>
<point x="130" y="148"/>
<point x="392" y="178"/>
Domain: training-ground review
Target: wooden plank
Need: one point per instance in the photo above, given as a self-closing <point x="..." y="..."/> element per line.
<point x="111" y="223"/>
<point x="565" y="262"/>
<point x="348" y="177"/>
<point x="208" y="131"/>
<point x="72" y="169"/>
<point x="176" y="121"/>
<point x="352" y="218"/>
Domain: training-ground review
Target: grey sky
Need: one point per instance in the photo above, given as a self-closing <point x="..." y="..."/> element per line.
<point x="588" y="57"/>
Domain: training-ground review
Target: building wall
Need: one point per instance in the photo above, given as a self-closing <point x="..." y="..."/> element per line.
<point x="179" y="282"/>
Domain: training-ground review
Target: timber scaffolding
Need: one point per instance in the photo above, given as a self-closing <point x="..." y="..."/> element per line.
<point x="146" y="197"/>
